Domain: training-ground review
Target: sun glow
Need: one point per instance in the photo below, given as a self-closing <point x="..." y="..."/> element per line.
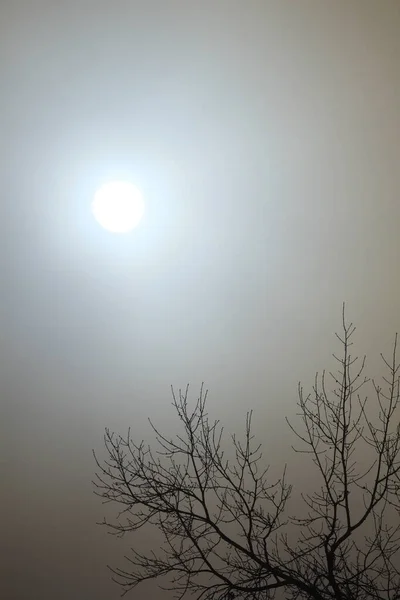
<point x="118" y="206"/>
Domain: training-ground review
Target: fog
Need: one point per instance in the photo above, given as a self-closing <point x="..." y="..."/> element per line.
<point x="264" y="136"/>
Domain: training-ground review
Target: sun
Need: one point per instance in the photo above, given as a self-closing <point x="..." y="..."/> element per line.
<point x="118" y="206"/>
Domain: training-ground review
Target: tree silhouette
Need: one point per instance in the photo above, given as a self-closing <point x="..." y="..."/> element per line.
<point x="227" y="529"/>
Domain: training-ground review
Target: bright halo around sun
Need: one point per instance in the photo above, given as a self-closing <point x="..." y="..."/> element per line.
<point x="118" y="206"/>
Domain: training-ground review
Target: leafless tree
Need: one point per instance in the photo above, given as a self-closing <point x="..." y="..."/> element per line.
<point x="226" y="527"/>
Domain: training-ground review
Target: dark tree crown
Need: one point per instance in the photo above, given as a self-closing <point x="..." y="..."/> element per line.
<point x="226" y="528"/>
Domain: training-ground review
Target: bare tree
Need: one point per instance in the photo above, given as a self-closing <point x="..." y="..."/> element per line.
<point x="227" y="529"/>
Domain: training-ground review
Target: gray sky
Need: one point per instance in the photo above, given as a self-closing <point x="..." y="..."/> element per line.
<point x="265" y="137"/>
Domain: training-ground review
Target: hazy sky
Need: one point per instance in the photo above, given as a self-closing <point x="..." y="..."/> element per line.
<point x="265" y="136"/>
